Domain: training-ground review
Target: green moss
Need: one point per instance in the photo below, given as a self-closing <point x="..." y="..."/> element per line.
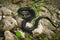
<point x="45" y="38"/>
<point x="9" y="1"/>
<point x="27" y="38"/>
<point x="18" y="34"/>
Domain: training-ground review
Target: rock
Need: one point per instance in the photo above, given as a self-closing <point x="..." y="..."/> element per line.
<point x="0" y="12"/>
<point x="6" y="11"/>
<point x="0" y="17"/>
<point x="22" y="1"/>
<point x="48" y="27"/>
<point x="1" y="38"/>
<point x="54" y="2"/>
<point x="16" y="1"/>
<point x="9" y="23"/>
<point x="29" y="25"/>
<point x="19" y="20"/>
<point x="45" y="27"/>
<point x="13" y="7"/>
<point x="9" y="36"/>
<point x="39" y="29"/>
<point x="49" y="32"/>
<point x="44" y="12"/>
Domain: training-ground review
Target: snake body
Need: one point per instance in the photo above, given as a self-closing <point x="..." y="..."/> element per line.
<point x="28" y="19"/>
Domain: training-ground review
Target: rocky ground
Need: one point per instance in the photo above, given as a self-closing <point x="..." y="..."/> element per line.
<point x="10" y="22"/>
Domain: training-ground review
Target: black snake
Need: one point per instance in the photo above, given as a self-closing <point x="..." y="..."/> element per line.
<point x="29" y="18"/>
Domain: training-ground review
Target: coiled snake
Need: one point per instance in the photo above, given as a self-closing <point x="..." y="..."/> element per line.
<point x="29" y="16"/>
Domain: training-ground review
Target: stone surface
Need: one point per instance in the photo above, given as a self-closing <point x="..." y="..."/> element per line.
<point x="29" y="25"/>
<point x="16" y="1"/>
<point x="9" y="23"/>
<point x="1" y="38"/>
<point x="9" y="36"/>
<point x="13" y="7"/>
<point x="0" y="17"/>
<point x="19" y="20"/>
<point x="6" y="11"/>
<point x="39" y="29"/>
<point x="44" y="12"/>
<point x="44" y="26"/>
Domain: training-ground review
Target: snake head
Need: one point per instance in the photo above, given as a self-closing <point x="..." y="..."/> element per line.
<point x="26" y="12"/>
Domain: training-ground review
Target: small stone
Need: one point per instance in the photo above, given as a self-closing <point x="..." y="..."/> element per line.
<point x="29" y="24"/>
